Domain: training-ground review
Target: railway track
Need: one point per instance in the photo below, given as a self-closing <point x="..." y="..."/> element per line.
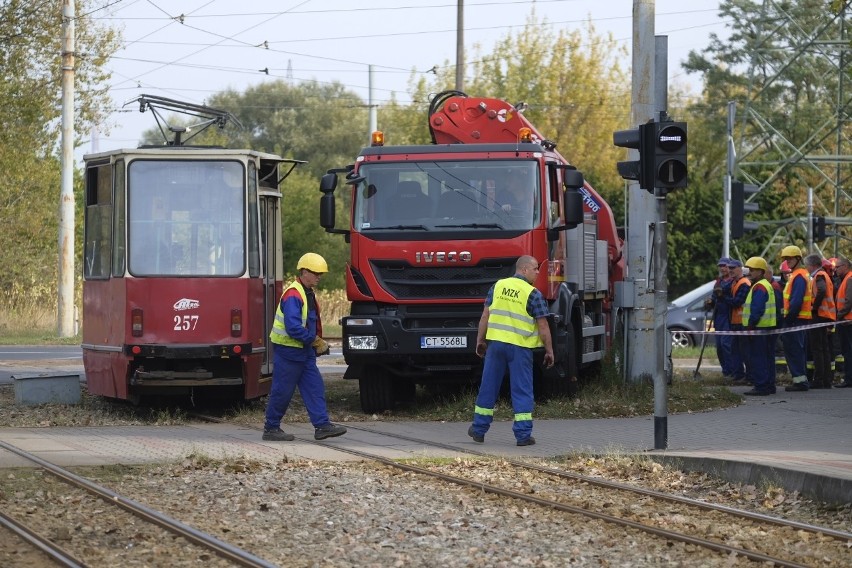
<point x="712" y="527"/>
<point x="61" y="556"/>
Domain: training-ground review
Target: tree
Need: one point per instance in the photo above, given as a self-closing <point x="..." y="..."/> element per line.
<point x="30" y="56"/>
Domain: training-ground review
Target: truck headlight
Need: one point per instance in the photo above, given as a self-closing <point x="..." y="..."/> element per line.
<point x="363" y="342"/>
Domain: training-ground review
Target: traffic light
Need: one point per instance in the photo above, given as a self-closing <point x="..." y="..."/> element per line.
<point x="819" y="228"/>
<point x="662" y="154"/>
<point x="669" y="154"/>
<point x="740" y="206"/>
<point x="638" y="139"/>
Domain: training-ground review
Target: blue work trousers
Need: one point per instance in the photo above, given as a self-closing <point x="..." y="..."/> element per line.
<point x="794" y="350"/>
<point x="295" y="367"/>
<point x="519" y="361"/>
<point x="724" y="351"/>
<point x="761" y="354"/>
<point x="739" y="361"/>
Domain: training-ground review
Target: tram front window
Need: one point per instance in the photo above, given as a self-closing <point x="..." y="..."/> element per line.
<point x="186" y="218"/>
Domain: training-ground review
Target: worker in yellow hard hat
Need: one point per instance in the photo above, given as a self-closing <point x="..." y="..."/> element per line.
<point x="297" y="338"/>
<point x="759" y="315"/>
<point x="797" y="312"/>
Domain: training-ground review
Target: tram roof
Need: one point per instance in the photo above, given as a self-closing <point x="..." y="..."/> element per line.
<point x="189" y="151"/>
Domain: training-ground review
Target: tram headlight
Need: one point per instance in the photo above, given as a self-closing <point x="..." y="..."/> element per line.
<point x="363" y="342"/>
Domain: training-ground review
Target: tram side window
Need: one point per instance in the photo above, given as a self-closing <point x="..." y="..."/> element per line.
<point x="98" y="241"/>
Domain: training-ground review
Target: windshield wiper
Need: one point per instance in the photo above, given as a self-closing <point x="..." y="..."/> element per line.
<point x="474" y="226"/>
<point x="398" y="227"/>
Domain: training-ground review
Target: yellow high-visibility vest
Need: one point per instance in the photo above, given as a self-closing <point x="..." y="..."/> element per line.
<point x="279" y="330"/>
<point x="508" y="320"/>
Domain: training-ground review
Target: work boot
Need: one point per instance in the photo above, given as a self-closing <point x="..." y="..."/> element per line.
<point x="277" y="435"/>
<point x="800" y="387"/>
<point x="329" y="431"/>
<point x="478" y="438"/>
<point x="528" y="442"/>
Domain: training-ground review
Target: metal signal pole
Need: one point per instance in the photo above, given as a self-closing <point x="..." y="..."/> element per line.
<point x="65" y="300"/>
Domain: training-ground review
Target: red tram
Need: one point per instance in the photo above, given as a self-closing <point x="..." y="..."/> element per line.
<point x="182" y="270"/>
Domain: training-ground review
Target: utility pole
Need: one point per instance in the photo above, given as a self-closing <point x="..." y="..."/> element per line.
<point x="641" y="327"/>
<point x="460" y="46"/>
<point x="65" y="299"/>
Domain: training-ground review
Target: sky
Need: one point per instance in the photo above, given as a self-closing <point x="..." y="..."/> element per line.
<point x="190" y="49"/>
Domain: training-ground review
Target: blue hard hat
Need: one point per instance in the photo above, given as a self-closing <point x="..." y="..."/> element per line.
<point x="723" y="261"/>
<point x="734" y="263"/>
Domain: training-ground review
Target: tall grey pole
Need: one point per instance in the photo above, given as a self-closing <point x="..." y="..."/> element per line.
<point x="729" y="177"/>
<point x="374" y="121"/>
<point x="641" y="338"/>
<point x="661" y="261"/>
<point x="65" y="299"/>
<point x="460" y="46"/>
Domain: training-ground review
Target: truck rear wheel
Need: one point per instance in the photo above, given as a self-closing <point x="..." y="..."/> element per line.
<point x="559" y="380"/>
<point x="376" y="390"/>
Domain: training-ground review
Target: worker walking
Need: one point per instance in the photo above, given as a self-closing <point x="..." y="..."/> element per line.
<point x="797" y="312"/>
<point x="513" y="323"/>
<point x="297" y="337"/>
<point x="759" y="314"/>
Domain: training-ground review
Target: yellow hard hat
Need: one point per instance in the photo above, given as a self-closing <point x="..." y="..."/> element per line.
<point x="757" y="263"/>
<point x="791" y="251"/>
<point x="313" y="262"/>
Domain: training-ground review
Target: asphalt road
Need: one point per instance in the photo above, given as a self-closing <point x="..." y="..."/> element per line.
<point x="30" y="360"/>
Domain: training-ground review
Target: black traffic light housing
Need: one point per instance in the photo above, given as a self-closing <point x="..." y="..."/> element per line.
<point x="819" y="228"/>
<point x="637" y="139"/>
<point x="740" y="206"/>
<point x="662" y="154"/>
<point x="669" y="156"/>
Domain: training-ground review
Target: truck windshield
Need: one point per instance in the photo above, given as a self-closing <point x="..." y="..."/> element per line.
<point x="186" y="218"/>
<point x="448" y="196"/>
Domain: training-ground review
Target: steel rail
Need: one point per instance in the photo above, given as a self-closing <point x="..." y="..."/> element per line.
<point x="45" y="545"/>
<point x="488" y="488"/>
<point x="221" y="548"/>
<point x="840" y="535"/>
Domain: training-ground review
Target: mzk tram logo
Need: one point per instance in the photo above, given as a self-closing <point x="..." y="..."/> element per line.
<point x="186" y="304"/>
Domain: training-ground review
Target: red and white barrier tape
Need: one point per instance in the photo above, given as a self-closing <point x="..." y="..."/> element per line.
<point x="770" y="331"/>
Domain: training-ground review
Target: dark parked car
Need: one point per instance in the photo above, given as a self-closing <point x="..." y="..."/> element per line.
<point x="687" y="313"/>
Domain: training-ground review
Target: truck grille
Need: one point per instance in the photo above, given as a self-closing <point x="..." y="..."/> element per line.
<point x="405" y="281"/>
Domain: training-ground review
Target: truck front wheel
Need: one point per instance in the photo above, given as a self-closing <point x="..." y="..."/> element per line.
<point x="376" y="390"/>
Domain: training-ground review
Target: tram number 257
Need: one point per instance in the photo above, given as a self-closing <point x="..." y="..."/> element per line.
<point x="185" y="323"/>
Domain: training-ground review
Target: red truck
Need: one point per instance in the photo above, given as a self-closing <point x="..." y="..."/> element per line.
<point x="434" y="226"/>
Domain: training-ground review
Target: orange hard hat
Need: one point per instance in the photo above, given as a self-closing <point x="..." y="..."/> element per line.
<point x="826" y="264"/>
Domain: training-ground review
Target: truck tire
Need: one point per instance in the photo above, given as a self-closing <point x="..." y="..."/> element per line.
<point x="557" y="381"/>
<point x="376" y="390"/>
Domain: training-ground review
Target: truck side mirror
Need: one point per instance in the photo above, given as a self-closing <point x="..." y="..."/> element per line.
<point x="328" y="183"/>
<point x="573" y="198"/>
<point x="327" y="211"/>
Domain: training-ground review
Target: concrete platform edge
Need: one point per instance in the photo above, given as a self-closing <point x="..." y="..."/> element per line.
<point x="813" y="486"/>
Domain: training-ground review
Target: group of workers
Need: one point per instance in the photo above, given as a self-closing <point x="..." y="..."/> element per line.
<point x="803" y="308"/>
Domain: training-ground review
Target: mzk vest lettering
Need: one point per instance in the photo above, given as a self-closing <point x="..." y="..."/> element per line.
<point x="508" y="319"/>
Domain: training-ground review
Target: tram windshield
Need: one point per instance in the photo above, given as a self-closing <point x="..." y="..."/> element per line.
<point x="186" y="218"/>
<point x="448" y="196"/>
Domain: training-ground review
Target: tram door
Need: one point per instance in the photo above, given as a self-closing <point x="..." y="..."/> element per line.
<point x="270" y="234"/>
